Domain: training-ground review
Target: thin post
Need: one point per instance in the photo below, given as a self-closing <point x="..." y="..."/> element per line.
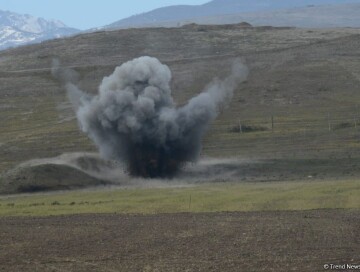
<point x="329" y="123"/>
<point x="272" y="122"/>
<point x="190" y="202"/>
<point x="355" y="123"/>
<point x="240" y="127"/>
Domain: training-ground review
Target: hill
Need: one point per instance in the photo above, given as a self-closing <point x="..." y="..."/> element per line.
<point x="344" y="15"/>
<point x="300" y="102"/>
<point x="220" y="12"/>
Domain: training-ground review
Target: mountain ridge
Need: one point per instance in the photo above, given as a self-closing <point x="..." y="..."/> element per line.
<point x="181" y="14"/>
<point x="21" y="29"/>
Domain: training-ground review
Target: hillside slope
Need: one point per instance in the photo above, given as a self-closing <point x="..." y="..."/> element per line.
<point x="301" y="99"/>
<point x="216" y="9"/>
<point x="344" y="15"/>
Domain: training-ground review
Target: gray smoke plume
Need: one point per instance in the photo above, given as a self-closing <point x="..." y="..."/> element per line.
<point x="134" y="118"/>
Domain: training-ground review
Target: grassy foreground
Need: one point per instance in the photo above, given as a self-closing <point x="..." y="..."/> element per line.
<point x="206" y="198"/>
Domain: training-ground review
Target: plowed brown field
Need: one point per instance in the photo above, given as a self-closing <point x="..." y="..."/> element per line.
<point x="254" y="241"/>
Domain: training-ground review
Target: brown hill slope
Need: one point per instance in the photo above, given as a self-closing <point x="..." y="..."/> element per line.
<point x="305" y="80"/>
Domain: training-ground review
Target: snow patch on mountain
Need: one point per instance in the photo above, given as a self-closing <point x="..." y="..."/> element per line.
<point x="20" y="29"/>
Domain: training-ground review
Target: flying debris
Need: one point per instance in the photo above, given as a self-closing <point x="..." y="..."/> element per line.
<point x="134" y="119"/>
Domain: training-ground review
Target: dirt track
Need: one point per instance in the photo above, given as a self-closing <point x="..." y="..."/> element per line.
<point x="260" y="241"/>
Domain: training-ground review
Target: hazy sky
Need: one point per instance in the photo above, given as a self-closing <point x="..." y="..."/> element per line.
<point x="84" y="14"/>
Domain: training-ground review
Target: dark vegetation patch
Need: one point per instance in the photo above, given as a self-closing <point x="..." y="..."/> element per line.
<point x="343" y="125"/>
<point x="247" y="129"/>
<point x="32" y="188"/>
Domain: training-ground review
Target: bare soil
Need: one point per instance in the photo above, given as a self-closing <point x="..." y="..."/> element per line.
<point x="256" y="241"/>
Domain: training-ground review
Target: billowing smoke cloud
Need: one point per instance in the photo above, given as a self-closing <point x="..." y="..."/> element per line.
<point x="134" y="118"/>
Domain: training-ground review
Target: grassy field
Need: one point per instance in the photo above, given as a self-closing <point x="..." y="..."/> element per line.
<point x="206" y="198"/>
<point x="296" y="80"/>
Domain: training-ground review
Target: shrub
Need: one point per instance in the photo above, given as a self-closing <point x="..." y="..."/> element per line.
<point x="247" y="129"/>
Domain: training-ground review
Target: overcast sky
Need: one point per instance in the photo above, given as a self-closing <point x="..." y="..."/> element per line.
<point x="85" y="14"/>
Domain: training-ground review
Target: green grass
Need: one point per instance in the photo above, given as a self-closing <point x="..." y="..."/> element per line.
<point x="205" y="198"/>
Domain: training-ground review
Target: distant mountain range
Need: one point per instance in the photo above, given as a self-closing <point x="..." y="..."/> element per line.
<point x="17" y="29"/>
<point x="217" y="12"/>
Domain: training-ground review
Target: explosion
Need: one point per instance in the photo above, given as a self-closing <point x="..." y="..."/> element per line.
<point x="134" y="119"/>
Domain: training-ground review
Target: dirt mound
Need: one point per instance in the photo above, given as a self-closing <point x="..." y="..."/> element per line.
<point x="203" y="27"/>
<point x="46" y="177"/>
<point x="244" y="24"/>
